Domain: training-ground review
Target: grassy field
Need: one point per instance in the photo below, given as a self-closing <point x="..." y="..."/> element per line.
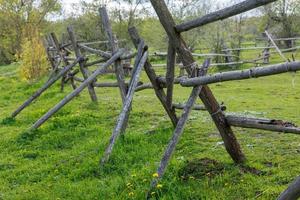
<point x="60" y="160"/>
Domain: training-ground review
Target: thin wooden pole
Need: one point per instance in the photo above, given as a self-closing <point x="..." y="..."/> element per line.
<point x="153" y="78"/>
<point x="276" y="47"/>
<point x="46" y="46"/>
<point x="112" y="40"/>
<point x="62" y="57"/>
<point x="95" y="51"/>
<point x="125" y="110"/>
<point x="141" y="50"/>
<point x="75" y="92"/>
<point x="81" y="64"/>
<point x="179" y="127"/>
<point x="170" y="74"/>
<point x="43" y="88"/>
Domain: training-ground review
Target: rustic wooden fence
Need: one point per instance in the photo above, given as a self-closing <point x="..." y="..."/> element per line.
<point x="197" y="78"/>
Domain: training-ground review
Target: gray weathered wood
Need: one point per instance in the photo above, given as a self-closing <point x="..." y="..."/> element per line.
<point x="112" y="40"/>
<point x="81" y="63"/>
<point x="292" y="192"/>
<point x="263" y="124"/>
<point x="181" y="106"/>
<point x="140" y="53"/>
<point x="44" y="88"/>
<point x="126" y="109"/>
<point x="276" y="47"/>
<point x="75" y="92"/>
<point x="208" y="99"/>
<point x="222" y="14"/>
<point x="170" y="74"/>
<point x="195" y="54"/>
<point x="144" y="87"/>
<point x="153" y="78"/>
<point x="95" y="51"/>
<point x="179" y="127"/>
<point x="46" y="46"/>
<point x="242" y="74"/>
<point x="62" y="55"/>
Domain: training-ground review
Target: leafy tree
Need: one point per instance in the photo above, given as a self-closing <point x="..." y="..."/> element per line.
<point x="283" y="15"/>
<point x="16" y="19"/>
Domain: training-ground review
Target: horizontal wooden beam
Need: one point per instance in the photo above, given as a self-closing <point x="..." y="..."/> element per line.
<point x="95" y="51"/>
<point x="263" y="124"/>
<point x="181" y="106"/>
<point x="222" y="14"/>
<point x="196" y="54"/>
<point x="242" y="74"/>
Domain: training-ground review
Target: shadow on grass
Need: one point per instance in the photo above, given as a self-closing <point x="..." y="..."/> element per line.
<point x="27" y="136"/>
<point x="8" y="121"/>
<point x="206" y="167"/>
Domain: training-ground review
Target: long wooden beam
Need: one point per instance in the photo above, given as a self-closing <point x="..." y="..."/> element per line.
<point x="114" y="46"/>
<point x="123" y="117"/>
<point x="276" y="47"/>
<point x="242" y="74"/>
<point x="43" y="88"/>
<point x="75" y="92"/>
<point x="95" y="51"/>
<point x="206" y="95"/>
<point x="179" y="128"/>
<point x="222" y="14"/>
<point x="81" y="64"/>
<point x="263" y="124"/>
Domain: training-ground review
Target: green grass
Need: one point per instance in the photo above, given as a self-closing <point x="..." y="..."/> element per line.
<point x="60" y="160"/>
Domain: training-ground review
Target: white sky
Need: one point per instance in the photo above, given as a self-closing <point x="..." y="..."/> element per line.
<point x="67" y="4"/>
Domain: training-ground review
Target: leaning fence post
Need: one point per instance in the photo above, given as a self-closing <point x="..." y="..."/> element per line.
<point x="81" y="63"/>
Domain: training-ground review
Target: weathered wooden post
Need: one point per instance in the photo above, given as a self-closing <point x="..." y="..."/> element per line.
<point x="114" y="47"/>
<point x="83" y="70"/>
<point x="159" y="91"/>
<point x="75" y="92"/>
<point x="208" y="99"/>
<point x="180" y="125"/>
<point x="123" y="117"/>
<point x="43" y="88"/>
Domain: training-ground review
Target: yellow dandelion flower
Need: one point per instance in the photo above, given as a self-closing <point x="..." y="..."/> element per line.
<point x="159" y="186"/>
<point x="130" y="194"/>
<point x="129" y="184"/>
<point x="155" y="175"/>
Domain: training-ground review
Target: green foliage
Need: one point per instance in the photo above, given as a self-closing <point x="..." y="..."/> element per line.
<point x="33" y="58"/>
<point x="15" y="17"/>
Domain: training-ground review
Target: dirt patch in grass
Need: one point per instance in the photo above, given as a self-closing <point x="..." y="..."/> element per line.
<point x="247" y="169"/>
<point x="196" y="169"/>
